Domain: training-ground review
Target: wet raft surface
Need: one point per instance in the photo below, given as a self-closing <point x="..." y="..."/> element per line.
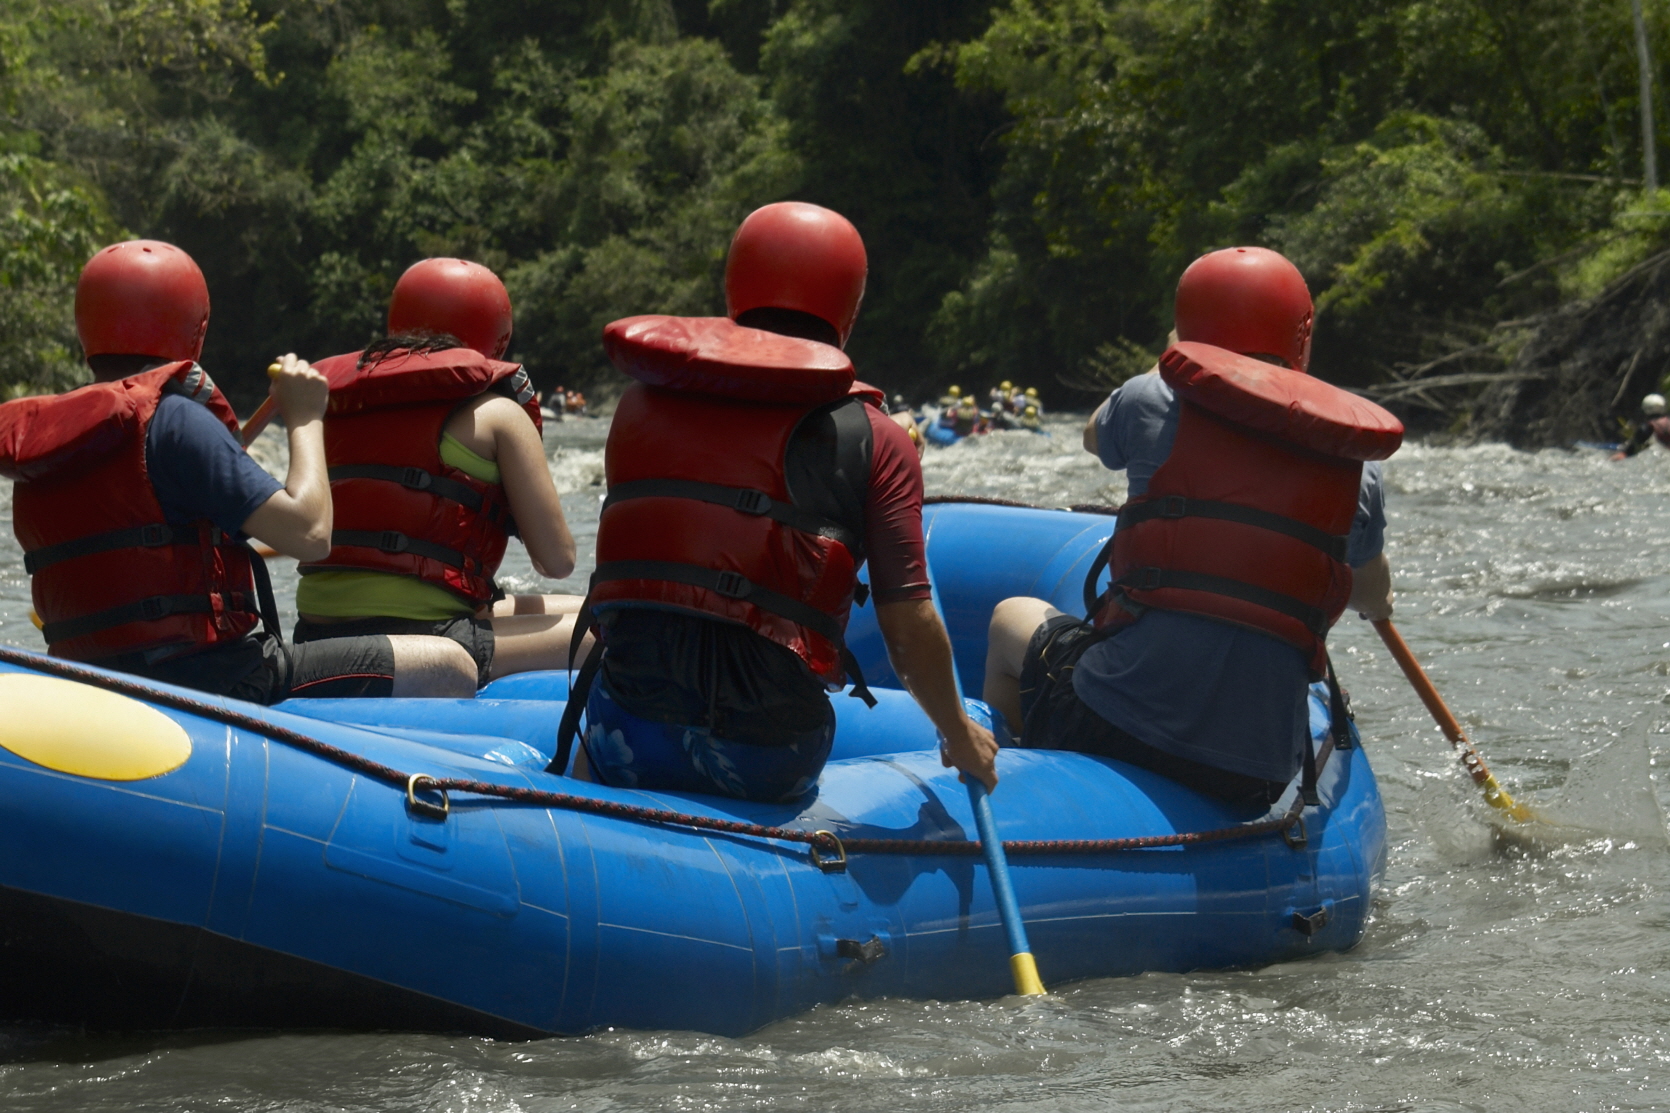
<point x="1535" y="588"/>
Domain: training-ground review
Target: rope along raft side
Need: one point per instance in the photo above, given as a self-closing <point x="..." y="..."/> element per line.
<point x="827" y="850"/>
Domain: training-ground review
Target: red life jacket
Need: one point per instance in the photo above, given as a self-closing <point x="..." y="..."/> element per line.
<point x="398" y="507"/>
<point x="109" y="574"/>
<point x="708" y="510"/>
<point x="1247" y="520"/>
<point x="871" y="394"/>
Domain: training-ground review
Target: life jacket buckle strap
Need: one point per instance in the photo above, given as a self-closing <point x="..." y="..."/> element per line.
<point x="1142" y="579"/>
<point x="415" y="478"/>
<point x="733" y="585"/>
<point x="393" y="541"/>
<point x="155" y="607"/>
<point x="1174" y="506"/>
<point x="753" y="502"/>
<point x="156" y="535"/>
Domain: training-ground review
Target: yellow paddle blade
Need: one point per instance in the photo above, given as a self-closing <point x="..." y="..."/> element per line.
<point x="1497" y="797"/>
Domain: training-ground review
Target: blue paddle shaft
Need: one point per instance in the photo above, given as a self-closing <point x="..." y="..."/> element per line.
<point x="998" y="866"/>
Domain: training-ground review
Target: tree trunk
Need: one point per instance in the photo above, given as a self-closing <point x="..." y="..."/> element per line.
<point x="1649" y="149"/>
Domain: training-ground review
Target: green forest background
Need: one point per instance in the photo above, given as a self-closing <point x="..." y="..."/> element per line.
<point x="1030" y="176"/>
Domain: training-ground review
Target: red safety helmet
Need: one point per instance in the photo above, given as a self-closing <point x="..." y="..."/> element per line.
<point x="455" y="297"/>
<point x="142" y="298"/>
<point x="792" y="255"/>
<point x="1250" y="300"/>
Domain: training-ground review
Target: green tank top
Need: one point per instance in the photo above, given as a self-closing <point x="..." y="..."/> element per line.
<point x="386" y="594"/>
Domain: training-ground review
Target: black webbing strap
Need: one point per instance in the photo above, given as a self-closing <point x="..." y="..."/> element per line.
<point x="393" y="541"/>
<point x="269" y="609"/>
<point x="744" y="500"/>
<point x="264" y="592"/>
<point x="415" y="479"/>
<point x="578" y="690"/>
<point x="1339" y="735"/>
<point x="585" y="621"/>
<point x="1307" y="779"/>
<point x="1171" y="507"/>
<point x="1092" y="597"/>
<point x="144" y="610"/>
<point x="1153" y="579"/>
<point x="152" y="536"/>
<point x="1340" y="716"/>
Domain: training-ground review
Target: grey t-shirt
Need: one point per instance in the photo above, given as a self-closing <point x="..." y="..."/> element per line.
<point x="1200" y="689"/>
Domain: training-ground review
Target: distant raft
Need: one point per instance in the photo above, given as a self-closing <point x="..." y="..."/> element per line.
<point x="172" y="860"/>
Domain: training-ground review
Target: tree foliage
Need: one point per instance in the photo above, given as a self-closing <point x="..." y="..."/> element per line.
<point x="1417" y="159"/>
<point x="1030" y="175"/>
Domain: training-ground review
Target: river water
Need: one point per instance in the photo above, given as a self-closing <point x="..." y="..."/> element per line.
<point x="1498" y="971"/>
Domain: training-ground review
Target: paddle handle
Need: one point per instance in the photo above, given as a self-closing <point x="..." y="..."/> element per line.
<point x="1494" y="794"/>
<point x="1022" y="966"/>
<point x="264" y="413"/>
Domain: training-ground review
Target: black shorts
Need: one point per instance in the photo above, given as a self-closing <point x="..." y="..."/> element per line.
<point x="261" y="669"/>
<point x="1055" y="718"/>
<point x="474" y="634"/>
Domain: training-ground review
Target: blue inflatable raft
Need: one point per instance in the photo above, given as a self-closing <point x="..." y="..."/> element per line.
<point x="170" y="860"/>
<point x="940" y="434"/>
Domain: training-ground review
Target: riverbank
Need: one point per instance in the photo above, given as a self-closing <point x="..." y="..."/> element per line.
<point x="1569" y="375"/>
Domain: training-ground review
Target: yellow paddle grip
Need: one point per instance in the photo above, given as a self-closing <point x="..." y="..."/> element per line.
<point x="1025" y="971"/>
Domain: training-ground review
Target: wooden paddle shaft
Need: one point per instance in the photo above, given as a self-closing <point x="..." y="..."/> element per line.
<point x="264" y="413"/>
<point x="258" y="421"/>
<point x="1494" y="793"/>
<point x="1420" y="682"/>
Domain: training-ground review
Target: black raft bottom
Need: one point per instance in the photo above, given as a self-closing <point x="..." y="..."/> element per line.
<point x="62" y="962"/>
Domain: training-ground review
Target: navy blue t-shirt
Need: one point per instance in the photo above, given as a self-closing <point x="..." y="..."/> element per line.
<point x="198" y="469"/>
<point x="1200" y="689"/>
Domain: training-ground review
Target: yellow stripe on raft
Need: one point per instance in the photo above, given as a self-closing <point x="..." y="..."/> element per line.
<point x="1025" y="971"/>
<point x="75" y="728"/>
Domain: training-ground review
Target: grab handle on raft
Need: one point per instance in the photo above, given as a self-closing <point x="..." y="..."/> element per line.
<point x="1494" y="794"/>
